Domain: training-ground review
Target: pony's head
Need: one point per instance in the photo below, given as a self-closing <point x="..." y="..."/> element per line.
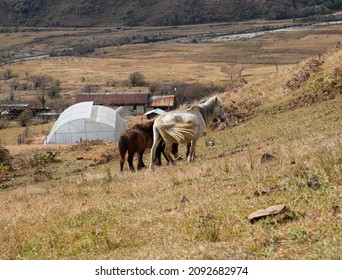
<point x="216" y="103"/>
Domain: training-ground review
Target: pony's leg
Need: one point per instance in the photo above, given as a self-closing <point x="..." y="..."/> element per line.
<point x="163" y="151"/>
<point x="122" y="159"/>
<point x="130" y="162"/>
<point x="156" y="140"/>
<point x="141" y="164"/>
<point x="159" y="152"/>
<point x="121" y="164"/>
<point x="188" y="146"/>
<point x="122" y="151"/>
<point x="191" y="156"/>
<point x="174" y="150"/>
<point x="168" y="147"/>
<point x="188" y="151"/>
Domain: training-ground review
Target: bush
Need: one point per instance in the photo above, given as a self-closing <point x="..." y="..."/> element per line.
<point x="111" y="83"/>
<point x="88" y="88"/>
<point x="25" y="117"/>
<point x="136" y="79"/>
<point x="4" y="123"/>
<point x="42" y="158"/>
<point x="8" y="74"/>
<point x="5" y="159"/>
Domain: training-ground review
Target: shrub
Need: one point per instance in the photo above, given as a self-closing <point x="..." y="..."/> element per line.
<point x="4" y="123"/>
<point x="111" y="83"/>
<point x="8" y="74"/>
<point x="208" y="228"/>
<point x="42" y="158"/>
<point x="25" y="117"/>
<point x="5" y="159"/>
<point x="88" y="88"/>
<point x="136" y="79"/>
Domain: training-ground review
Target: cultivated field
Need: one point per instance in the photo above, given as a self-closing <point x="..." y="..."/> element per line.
<point x="71" y="202"/>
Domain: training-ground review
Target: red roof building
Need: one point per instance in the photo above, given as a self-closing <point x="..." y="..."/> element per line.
<point x="137" y="100"/>
<point x="115" y="99"/>
<point x="162" y="101"/>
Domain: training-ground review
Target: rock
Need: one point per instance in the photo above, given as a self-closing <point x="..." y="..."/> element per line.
<point x="256" y="193"/>
<point x="266" y="158"/>
<point x="171" y="209"/>
<point x="263" y="213"/>
<point x="210" y="143"/>
<point x="183" y="199"/>
<point x="339" y="216"/>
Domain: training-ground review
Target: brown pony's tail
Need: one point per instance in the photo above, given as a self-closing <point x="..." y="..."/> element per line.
<point x="123" y="147"/>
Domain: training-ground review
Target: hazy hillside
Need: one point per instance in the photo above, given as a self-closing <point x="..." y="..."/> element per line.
<point x="153" y="12"/>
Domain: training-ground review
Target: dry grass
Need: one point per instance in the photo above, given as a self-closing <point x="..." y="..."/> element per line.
<point x="36" y="133"/>
<point x="99" y="213"/>
<point x="80" y="209"/>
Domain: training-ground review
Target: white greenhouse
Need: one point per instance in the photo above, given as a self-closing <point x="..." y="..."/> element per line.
<point x="86" y="121"/>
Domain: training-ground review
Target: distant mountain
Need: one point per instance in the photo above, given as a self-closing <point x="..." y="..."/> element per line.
<point x="93" y="13"/>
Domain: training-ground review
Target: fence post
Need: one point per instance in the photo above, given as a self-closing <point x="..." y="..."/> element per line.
<point x="21" y="137"/>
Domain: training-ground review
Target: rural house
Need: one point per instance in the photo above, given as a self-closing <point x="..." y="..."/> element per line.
<point x="139" y="102"/>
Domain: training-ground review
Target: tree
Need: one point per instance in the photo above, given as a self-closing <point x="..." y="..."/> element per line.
<point x="46" y="86"/>
<point x="54" y="90"/>
<point x="25" y="117"/>
<point x="136" y="79"/>
<point x="88" y="88"/>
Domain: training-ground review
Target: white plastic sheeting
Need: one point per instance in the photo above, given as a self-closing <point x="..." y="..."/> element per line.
<point x="156" y="111"/>
<point x="85" y="121"/>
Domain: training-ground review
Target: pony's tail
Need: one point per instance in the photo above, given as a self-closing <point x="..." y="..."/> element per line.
<point x="123" y="147"/>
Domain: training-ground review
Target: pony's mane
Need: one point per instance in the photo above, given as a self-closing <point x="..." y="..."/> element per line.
<point x="206" y="107"/>
<point x="212" y="101"/>
<point x="146" y="127"/>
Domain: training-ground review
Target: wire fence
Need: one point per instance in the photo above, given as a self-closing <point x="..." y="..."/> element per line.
<point x="22" y="137"/>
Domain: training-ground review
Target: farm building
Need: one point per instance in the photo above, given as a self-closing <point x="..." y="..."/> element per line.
<point x="86" y="121"/>
<point x="14" y="110"/>
<point x="139" y="102"/>
<point x="164" y="102"/>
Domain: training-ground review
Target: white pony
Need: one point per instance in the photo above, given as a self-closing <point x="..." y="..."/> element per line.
<point x="185" y="126"/>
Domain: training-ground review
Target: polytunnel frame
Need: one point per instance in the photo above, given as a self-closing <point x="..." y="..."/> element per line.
<point x="87" y="114"/>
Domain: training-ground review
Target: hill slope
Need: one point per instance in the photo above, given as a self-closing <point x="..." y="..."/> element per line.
<point x="90" y="210"/>
<point x="92" y="13"/>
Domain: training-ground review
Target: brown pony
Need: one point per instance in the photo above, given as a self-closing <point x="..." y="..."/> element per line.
<point x="136" y="140"/>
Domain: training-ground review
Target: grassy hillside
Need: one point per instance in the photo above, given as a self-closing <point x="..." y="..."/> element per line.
<point x="150" y="12"/>
<point x="56" y="207"/>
